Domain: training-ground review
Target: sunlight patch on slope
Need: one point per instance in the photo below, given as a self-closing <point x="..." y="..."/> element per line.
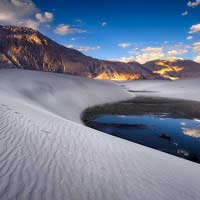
<point x="118" y="76"/>
<point x="32" y="38"/>
<point x="164" y="72"/>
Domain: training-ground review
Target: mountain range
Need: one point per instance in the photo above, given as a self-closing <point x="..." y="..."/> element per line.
<point x="26" y="48"/>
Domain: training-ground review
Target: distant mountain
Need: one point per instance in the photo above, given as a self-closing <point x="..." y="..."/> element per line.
<point x="29" y="49"/>
<point x="174" y="69"/>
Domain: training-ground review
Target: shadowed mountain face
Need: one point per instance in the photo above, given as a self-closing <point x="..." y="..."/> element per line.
<point x="28" y="49"/>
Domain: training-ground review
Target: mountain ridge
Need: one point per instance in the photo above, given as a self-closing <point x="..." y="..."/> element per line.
<point x="26" y="48"/>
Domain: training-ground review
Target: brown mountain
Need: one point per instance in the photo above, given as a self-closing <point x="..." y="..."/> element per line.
<point x="28" y="49"/>
<point x="174" y="69"/>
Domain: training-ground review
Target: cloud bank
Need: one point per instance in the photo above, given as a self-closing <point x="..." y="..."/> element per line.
<point x="155" y="53"/>
<point x="22" y="13"/>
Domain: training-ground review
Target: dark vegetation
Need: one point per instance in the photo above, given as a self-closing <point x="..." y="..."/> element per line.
<point x="175" y="108"/>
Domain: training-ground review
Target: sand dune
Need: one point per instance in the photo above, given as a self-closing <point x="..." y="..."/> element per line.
<point x="46" y="153"/>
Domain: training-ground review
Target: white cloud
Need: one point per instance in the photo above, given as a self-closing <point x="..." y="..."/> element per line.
<point x="146" y="55"/>
<point x="84" y="48"/>
<point x="126" y="59"/>
<point x="104" y="24"/>
<point x="6" y="17"/>
<point x="155" y="53"/>
<point x="176" y="52"/>
<point x="195" y="29"/>
<point x="194" y="3"/>
<point x="71" y="46"/>
<point x="153" y="50"/>
<point x="184" y="13"/>
<point x="149" y="54"/>
<point x="22" y="13"/>
<point x="46" y="17"/>
<point x="13" y="11"/>
<point x="197" y="59"/>
<point x="189" y="37"/>
<point x="64" y="29"/>
<point x="124" y="45"/>
<point x="30" y="24"/>
<point x="196" y="47"/>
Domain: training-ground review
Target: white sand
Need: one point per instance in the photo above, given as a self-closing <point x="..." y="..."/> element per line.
<point x="46" y="153"/>
<point x="182" y="89"/>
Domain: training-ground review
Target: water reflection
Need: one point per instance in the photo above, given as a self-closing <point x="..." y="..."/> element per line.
<point x="193" y="132"/>
<point x="179" y="137"/>
<point x="168" y="125"/>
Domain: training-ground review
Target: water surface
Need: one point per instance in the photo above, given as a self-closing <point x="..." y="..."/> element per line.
<point x="167" y="125"/>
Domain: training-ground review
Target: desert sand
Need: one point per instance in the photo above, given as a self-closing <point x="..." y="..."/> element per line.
<point x="47" y="153"/>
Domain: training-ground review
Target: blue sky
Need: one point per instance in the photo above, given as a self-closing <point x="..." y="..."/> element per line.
<point x="140" y="30"/>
